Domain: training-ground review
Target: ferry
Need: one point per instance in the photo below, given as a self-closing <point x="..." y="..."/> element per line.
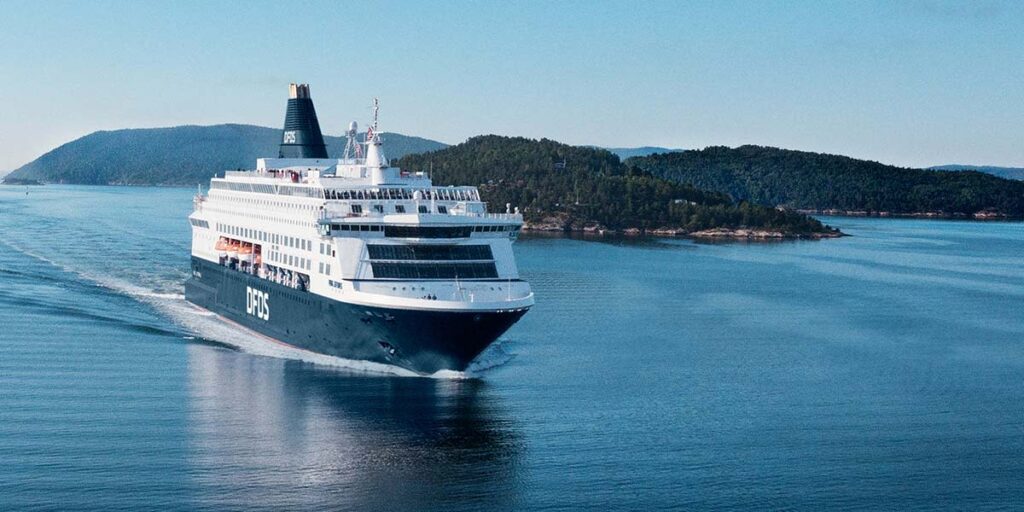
<point x="353" y="258"/>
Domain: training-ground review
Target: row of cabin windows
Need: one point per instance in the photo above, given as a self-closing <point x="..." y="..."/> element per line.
<point x="288" y="259"/>
<point x="263" y="236"/>
<point x="262" y="202"/>
<point x="392" y="270"/>
<point x="357" y="209"/>
<point x="440" y="194"/>
<point x="284" y="190"/>
<point x="429" y="252"/>
<point x="296" y="261"/>
<point x="255" y="215"/>
<point x="396" y="231"/>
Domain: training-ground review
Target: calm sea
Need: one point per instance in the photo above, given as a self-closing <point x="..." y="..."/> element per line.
<point x="879" y="371"/>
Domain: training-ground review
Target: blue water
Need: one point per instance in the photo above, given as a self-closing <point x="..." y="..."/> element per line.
<point x="880" y="371"/>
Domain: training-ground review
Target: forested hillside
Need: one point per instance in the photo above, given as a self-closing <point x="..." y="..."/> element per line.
<point x="804" y="180"/>
<point x="578" y="186"/>
<point x="182" y="155"/>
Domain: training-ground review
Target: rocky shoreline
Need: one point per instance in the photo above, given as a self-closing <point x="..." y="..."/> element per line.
<point x="989" y="214"/>
<point x="20" y="182"/>
<point x="722" y="234"/>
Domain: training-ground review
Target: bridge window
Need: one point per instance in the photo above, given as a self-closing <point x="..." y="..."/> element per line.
<point x="431" y="270"/>
<point x="393" y="231"/>
<point x="429" y="252"/>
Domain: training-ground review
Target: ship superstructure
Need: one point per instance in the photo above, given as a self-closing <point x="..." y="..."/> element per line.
<point x="354" y="258"/>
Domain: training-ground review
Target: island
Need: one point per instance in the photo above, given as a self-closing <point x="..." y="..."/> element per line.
<point x="818" y="183"/>
<point x="563" y="188"/>
<point x="175" y="156"/>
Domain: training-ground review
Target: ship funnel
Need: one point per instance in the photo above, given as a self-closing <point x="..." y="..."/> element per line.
<point x="301" y="137"/>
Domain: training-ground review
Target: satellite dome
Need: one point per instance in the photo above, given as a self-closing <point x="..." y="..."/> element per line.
<point x="352" y="127"/>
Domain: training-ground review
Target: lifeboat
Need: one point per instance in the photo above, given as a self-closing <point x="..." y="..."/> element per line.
<point x="233" y="249"/>
<point x="221" y="247"/>
<point x="245" y="253"/>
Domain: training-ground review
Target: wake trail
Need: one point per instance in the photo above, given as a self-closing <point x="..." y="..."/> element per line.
<point x="167" y="298"/>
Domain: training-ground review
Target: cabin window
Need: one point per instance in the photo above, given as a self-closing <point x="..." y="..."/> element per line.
<point x="424" y="209"/>
<point x="357" y="209"/>
<point x="442" y="209"/>
<point x="379" y="208"/>
<point x="399" y="208"/>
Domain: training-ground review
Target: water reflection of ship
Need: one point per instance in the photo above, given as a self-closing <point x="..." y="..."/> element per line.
<point x="283" y="434"/>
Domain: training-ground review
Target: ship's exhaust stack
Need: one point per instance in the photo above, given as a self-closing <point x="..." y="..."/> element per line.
<point x="301" y="137"/>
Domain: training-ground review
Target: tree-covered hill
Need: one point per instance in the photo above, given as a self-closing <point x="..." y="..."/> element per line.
<point x="815" y="181"/>
<point x="577" y="186"/>
<point x="182" y="155"/>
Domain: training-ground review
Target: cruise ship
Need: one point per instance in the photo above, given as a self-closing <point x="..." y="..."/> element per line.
<point x="353" y="258"/>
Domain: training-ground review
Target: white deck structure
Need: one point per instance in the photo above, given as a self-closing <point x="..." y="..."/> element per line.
<point x="359" y="231"/>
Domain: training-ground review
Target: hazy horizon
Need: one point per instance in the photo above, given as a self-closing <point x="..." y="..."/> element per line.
<point x="914" y="84"/>
<point x="361" y="129"/>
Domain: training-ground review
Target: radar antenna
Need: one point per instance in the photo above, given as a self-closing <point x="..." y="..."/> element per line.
<point x="352" y="147"/>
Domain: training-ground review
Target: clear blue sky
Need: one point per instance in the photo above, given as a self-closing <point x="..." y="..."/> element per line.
<point x="910" y="83"/>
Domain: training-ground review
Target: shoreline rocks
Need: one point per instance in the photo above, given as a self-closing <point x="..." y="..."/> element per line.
<point x="761" y="234"/>
<point x="721" y="234"/>
<point x="987" y="214"/>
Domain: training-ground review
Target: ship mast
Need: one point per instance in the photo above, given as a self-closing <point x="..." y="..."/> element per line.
<point x="376" y="111"/>
<point x="374" y="153"/>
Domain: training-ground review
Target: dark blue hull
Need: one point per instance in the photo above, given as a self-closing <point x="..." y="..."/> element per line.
<point x="422" y="341"/>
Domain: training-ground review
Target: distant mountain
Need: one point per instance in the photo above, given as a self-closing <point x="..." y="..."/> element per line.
<point x="1011" y="173"/>
<point x="624" y="153"/>
<point x="562" y="187"/>
<point x="816" y="181"/>
<point x="182" y="155"/>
